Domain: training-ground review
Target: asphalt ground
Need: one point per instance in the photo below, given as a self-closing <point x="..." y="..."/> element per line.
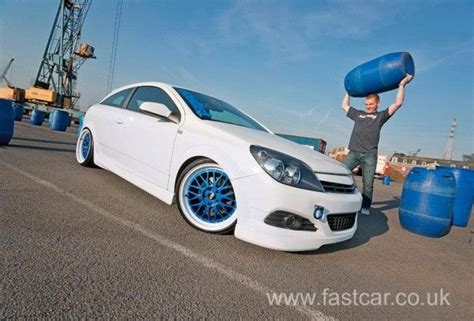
<point x="84" y="243"/>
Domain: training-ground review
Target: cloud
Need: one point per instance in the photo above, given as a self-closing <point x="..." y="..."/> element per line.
<point x="272" y="26"/>
<point x="426" y="61"/>
<point x="180" y="75"/>
<point x="297" y="34"/>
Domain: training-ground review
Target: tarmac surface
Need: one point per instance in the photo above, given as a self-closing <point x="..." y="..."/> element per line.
<point x="84" y="243"/>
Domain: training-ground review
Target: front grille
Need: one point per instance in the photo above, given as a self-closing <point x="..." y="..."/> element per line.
<point x="341" y="222"/>
<point x="331" y="187"/>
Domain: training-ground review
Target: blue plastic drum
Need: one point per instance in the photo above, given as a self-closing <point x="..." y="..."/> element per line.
<point x="426" y="205"/>
<point x="379" y="75"/>
<point x="81" y="124"/>
<point x="37" y="117"/>
<point x="7" y="121"/>
<point x="18" y="111"/>
<point x="59" y="120"/>
<point x="464" y="194"/>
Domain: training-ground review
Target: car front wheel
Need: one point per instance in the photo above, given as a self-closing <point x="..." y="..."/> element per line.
<point x="206" y="198"/>
<point x="85" y="148"/>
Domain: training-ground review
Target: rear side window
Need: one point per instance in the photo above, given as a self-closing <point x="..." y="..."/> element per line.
<point x="117" y="99"/>
<point x="155" y="95"/>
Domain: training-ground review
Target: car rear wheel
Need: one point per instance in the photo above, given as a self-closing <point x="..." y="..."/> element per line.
<point x="85" y="148"/>
<point x="206" y="198"/>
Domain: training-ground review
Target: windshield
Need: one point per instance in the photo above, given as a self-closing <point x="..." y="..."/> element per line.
<point x="210" y="108"/>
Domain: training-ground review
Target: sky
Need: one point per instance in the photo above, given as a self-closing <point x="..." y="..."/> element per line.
<point x="283" y="62"/>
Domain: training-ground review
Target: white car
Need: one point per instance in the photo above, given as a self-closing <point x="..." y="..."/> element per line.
<point x="225" y="170"/>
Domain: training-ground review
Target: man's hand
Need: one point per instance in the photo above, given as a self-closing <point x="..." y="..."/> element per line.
<point x="405" y="80"/>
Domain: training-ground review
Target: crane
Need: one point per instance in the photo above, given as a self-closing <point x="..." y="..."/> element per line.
<point x="415" y="153"/>
<point x="56" y="80"/>
<point x="4" y="74"/>
<point x="448" y="150"/>
<point x="10" y="92"/>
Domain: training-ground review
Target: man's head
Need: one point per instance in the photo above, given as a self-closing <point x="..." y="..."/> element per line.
<point x="372" y="103"/>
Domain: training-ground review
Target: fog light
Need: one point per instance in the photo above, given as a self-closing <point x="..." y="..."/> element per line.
<point x="289" y="221"/>
<point x="318" y="212"/>
<point x="293" y="222"/>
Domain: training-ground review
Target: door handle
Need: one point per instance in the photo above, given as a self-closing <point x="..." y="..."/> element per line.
<point x="119" y="121"/>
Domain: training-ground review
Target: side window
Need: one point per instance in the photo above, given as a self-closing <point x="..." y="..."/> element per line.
<point x="394" y="160"/>
<point x="404" y="161"/>
<point x="413" y="162"/>
<point x="152" y="94"/>
<point x="117" y="99"/>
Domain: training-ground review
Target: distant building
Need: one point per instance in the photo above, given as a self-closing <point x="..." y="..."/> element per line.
<point x="403" y="163"/>
<point x="399" y="164"/>
<point x="317" y="144"/>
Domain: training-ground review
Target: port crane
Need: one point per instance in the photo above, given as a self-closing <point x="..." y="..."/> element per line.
<point x="5" y="71"/>
<point x="56" y="81"/>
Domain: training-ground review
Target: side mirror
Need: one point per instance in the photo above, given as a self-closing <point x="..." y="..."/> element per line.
<point x="155" y="109"/>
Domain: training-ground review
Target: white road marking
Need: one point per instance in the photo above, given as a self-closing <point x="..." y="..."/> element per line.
<point x="184" y="251"/>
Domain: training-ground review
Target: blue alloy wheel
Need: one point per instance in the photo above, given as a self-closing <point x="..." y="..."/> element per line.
<point x="207" y="198"/>
<point x="84" y="148"/>
<point x="86" y="145"/>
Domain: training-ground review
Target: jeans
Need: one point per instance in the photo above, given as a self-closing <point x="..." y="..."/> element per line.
<point x="368" y="164"/>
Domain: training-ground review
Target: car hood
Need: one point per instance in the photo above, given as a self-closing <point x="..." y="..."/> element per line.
<point x="318" y="162"/>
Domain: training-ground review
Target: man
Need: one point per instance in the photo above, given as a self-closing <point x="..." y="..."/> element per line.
<point x="365" y="137"/>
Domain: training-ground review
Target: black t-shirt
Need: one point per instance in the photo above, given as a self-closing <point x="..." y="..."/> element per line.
<point x="366" y="132"/>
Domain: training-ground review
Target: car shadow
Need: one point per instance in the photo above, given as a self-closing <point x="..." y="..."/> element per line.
<point x="44" y="141"/>
<point x="52" y="149"/>
<point x="368" y="226"/>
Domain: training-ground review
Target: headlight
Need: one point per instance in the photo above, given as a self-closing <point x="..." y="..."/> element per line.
<point x="286" y="169"/>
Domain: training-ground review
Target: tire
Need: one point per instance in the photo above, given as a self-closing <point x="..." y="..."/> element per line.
<point x="85" y="148"/>
<point x="206" y="198"/>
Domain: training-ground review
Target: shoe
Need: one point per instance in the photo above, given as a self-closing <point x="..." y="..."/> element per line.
<point x="365" y="211"/>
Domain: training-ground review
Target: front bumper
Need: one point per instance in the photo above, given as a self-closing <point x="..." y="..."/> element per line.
<point x="259" y="195"/>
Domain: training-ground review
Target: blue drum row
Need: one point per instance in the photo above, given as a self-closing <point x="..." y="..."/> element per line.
<point x="59" y="120"/>
<point x="434" y="200"/>
<point x="10" y="112"/>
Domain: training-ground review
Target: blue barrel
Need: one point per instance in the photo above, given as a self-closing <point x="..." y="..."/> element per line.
<point x="386" y="180"/>
<point x="18" y="111"/>
<point x="426" y="205"/>
<point x="464" y="194"/>
<point x="379" y="75"/>
<point x="7" y="121"/>
<point x="81" y="124"/>
<point x="37" y="117"/>
<point x="59" y="120"/>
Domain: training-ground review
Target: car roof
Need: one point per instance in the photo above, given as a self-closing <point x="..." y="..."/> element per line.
<point x="139" y="84"/>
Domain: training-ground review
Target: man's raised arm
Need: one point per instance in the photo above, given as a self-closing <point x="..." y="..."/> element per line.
<point x="346" y="104"/>
<point x="400" y="95"/>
